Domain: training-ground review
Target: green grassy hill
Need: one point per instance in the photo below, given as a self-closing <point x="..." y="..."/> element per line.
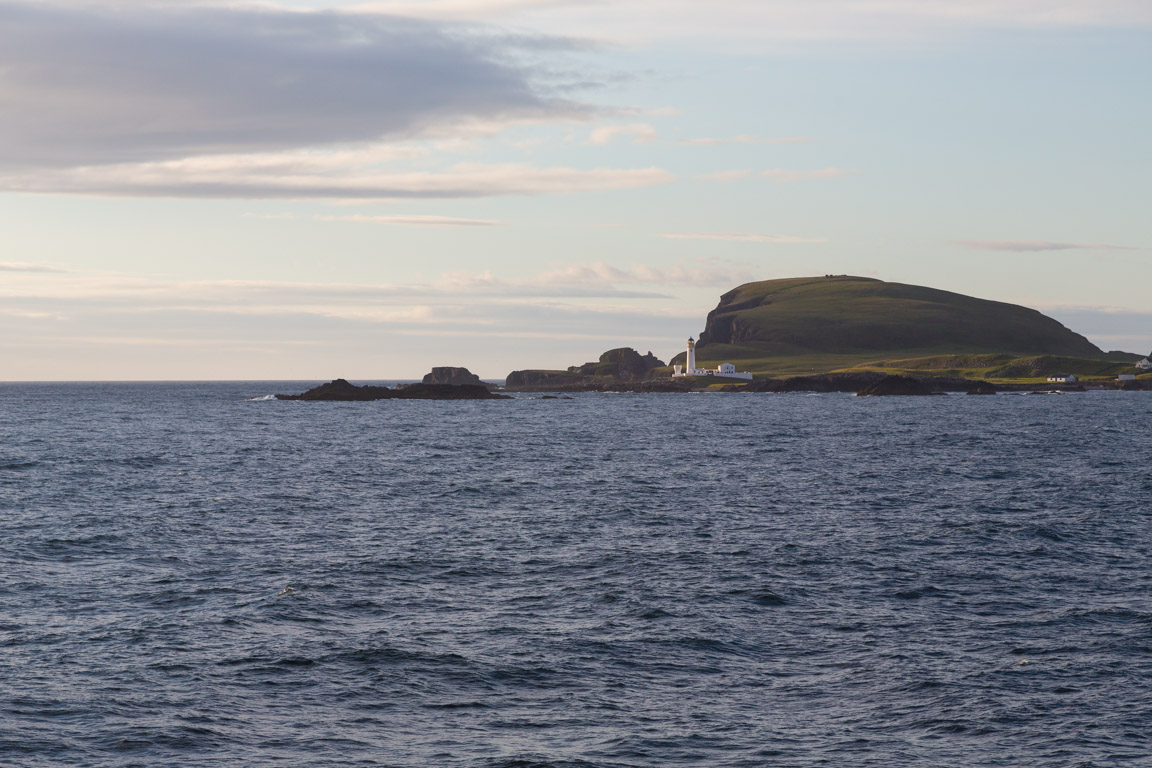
<point x="816" y="324"/>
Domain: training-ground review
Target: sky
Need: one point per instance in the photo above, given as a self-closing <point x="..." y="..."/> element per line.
<point x="369" y="188"/>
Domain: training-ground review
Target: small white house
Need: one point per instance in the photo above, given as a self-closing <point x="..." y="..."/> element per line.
<point x="1144" y="364"/>
<point x="1069" y="378"/>
<point x="1126" y="377"/>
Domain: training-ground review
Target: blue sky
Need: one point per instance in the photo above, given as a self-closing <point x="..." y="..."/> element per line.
<point x="320" y="189"/>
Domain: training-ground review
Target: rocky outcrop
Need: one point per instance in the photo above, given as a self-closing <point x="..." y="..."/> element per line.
<point x="342" y="391"/>
<point x="897" y="385"/>
<point x="544" y="380"/>
<point x="623" y="363"/>
<point x="615" y="367"/>
<point x="559" y="381"/>
<point x="982" y="388"/>
<point x="454" y="376"/>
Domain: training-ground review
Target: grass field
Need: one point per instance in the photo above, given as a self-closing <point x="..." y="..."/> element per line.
<point x="992" y="367"/>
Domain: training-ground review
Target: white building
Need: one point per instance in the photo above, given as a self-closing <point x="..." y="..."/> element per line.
<point x="1144" y="364"/>
<point x="723" y="371"/>
<point x="1063" y="379"/>
<point x="1126" y="377"/>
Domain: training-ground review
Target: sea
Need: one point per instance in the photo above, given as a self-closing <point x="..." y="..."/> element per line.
<point x="194" y="575"/>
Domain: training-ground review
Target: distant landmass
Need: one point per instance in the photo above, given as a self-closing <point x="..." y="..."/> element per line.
<point x="847" y="329"/>
<point x="821" y="324"/>
<point x="835" y="333"/>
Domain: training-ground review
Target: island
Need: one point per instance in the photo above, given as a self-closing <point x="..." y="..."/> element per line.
<point x="835" y="333"/>
<point x="841" y="333"/>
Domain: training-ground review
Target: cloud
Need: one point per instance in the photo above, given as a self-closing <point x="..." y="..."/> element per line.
<point x="425" y="221"/>
<point x="701" y="272"/>
<point x="1037" y="246"/>
<point x="489" y="338"/>
<point x="788" y="176"/>
<point x="746" y="139"/>
<point x="742" y="237"/>
<point x="96" y="84"/>
<point x="591" y="280"/>
<point x="291" y="176"/>
<point x="595" y="280"/>
<point x="20" y="266"/>
<point x="641" y="133"/>
<point x="783" y="22"/>
<point x="113" y="326"/>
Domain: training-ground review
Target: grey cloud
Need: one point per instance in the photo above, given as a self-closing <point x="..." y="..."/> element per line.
<point x="491" y="340"/>
<point x="19" y="266"/>
<point x="265" y="297"/>
<point x="234" y="177"/>
<point x="82" y="86"/>
<point x="1037" y="246"/>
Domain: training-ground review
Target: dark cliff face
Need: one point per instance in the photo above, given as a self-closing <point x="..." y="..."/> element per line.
<point x="723" y="326"/>
<point x="897" y="385"/>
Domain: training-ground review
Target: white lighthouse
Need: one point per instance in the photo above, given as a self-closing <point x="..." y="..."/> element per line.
<point x="724" y="370"/>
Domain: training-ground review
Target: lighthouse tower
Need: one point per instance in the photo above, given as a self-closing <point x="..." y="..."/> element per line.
<point x="690" y="363"/>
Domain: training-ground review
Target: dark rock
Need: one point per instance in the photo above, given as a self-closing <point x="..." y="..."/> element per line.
<point x="897" y="385"/>
<point x="623" y="363"/>
<point x="448" y="392"/>
<point x="982" y="388"/>
<point x="826" y="382"/>
<point x="450" y="375"/>
<point x="616" y="370"/>
<point x="341" y="390"/>
<point x="544" y="380"/>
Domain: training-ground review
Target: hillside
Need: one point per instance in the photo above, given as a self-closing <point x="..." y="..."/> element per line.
<point x="836" y="322"/>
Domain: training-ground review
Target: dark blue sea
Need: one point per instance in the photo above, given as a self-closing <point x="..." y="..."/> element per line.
<point x="189" y="578"/>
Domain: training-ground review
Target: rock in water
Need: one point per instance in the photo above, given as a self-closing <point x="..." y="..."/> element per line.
<point x="982" y="388"/>
<point x="341" y="390"/>
<point x="449" y="375"/>
<point x="897" y="385"/>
